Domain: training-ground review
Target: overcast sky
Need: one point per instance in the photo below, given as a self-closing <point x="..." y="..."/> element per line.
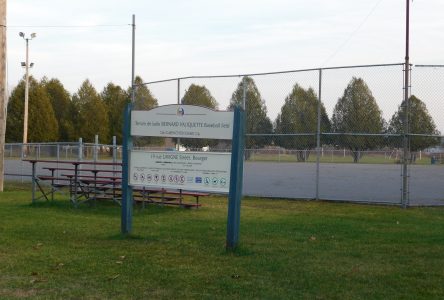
<point x="196" y="37"/>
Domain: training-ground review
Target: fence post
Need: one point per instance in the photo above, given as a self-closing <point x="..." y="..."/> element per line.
<point x="96" y="147"/>
<point x="114" y="152"/>
<point x="58" y="151"/>
<point x="80" y="153"/>
<point x="318" y="135"/>
<point x="244" y="107"/>
<point x="178" y="102"/>
<point x="405" y="138"/>
<point x="244" y="93"/>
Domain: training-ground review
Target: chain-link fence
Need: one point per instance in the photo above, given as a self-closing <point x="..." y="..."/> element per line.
<point x="344" y="133"/>
<point x="426" y="173"/>
<point x="63" y="151"/>
<point x="336" y="133"/>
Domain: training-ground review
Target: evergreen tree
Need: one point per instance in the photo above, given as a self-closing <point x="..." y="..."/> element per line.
<point x="257" y="120"/>
<point x="42" y="123"/>
<point x="299" y="114"/>
<point x="62" y="106"/>
<point x="91" y="115"/>
<point x="144" y="100"/>
<point x="115" y="99"/>
<point x="200" y="96"/>
<point x="357" y="112"/>
<point x="420" y="122"/>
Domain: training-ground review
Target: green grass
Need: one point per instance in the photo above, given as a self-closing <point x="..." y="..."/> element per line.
<point x="289" y="249"/>
<point x="366" y="159"/>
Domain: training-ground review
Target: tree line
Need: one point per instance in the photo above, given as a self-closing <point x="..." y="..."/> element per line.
<point x="55" y="115"/>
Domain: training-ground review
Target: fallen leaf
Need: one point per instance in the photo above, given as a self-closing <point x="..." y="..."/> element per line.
<point x="113" y="277"/>
<point x="37" y="246"/>
<point x="37" y="280"/>
<point x="119" y="262"/>
<point x="355" y="269"/>
<point x="122" y="257"/>
<point x="312" y="238"/>
<point x="235" y="276"/>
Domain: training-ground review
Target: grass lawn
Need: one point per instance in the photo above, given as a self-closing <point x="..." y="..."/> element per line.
<point x="289" y="249"/>
<point x="339" y="159"/>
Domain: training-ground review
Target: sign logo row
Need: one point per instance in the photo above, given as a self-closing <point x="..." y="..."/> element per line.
<point x="175" y="179"/>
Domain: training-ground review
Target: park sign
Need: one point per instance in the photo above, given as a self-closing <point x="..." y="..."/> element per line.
<point x="200" y="171"/>
<point x="183" y="121"/>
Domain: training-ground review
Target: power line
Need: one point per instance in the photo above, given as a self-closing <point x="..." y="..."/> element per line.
<point x="352" y="34"/>
<point x="67" y="26"/>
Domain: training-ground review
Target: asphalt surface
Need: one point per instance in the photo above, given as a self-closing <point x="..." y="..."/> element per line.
<point x="345" y="182"/>
<point x="337" y="182"/>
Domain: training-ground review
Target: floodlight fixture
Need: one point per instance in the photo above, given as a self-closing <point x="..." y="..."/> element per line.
<point x="31" y="65"/>
<point x="23" y="64"/>
<point x="22" y="34"/>
<point x="33" y="35"/>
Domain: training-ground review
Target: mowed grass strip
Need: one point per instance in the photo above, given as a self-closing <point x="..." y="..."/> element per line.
<point x="289" y="249"/>
<point x="339" y="159"/>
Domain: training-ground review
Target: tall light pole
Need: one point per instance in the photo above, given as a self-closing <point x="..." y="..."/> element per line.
<point x="27" y="66"/>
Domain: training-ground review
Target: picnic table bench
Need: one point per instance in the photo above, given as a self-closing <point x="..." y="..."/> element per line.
<point x="80" y="189"/>
<point x="91" y="181"/>
<point x="166" y="196"/>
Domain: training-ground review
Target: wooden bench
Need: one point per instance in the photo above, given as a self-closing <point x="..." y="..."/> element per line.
<point x="164" y="196"/>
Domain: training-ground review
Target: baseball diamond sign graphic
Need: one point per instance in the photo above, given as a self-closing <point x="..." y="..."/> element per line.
<point x="198" y="171"/>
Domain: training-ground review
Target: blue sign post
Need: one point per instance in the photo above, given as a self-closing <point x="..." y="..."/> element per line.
<point x="236" y="179"/>
<point x="127" y="191"/>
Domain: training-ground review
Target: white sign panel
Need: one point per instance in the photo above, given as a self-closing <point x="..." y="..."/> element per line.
<point x="183" y="121"/>
<point x="199" y="171"/>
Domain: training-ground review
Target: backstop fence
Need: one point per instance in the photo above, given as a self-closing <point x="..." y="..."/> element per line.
<point x="344" y="133"/>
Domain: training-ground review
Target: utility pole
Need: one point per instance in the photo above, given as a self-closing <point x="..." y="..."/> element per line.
<point x="406" y="109"/>
<point x="3" y="93"/>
